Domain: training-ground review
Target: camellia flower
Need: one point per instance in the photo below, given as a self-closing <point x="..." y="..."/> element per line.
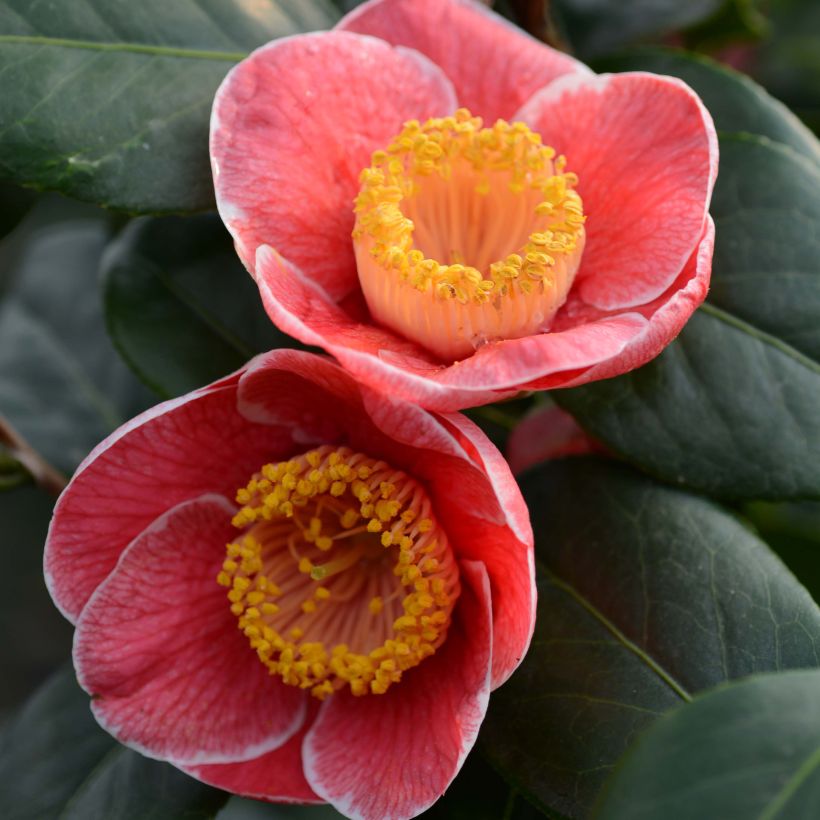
<point x="296" y="588"/>
<point x="457" y="212"/>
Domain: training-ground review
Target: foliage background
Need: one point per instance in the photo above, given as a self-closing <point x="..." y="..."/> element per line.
<point x="105" y="310"/>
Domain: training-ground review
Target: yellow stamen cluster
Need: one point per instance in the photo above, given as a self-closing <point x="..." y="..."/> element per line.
<point x="325" y="529"/>
<point x="439" y="147"/>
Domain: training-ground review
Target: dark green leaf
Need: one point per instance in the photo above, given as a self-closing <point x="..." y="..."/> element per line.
<point x="749" y="750"/>
<point x="646" y="595"/>
<point x="110" y="101"/>
<point x="731" y="407"/>
<point x="180" y="307"/>
<point x="62" y="385"/>
<point x="34" y="636"/>
<point x="56" y="761"/>
<point x="596" y="27"/>
<point x="735" y="102"/>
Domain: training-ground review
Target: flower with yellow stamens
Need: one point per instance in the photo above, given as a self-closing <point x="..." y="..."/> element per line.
<point x="271" y="566"/>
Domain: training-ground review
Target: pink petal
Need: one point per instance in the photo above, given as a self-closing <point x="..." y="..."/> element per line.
<point x="495" y="67"/>
<point x="669" y="314"/>
<point x="391" y="756"/>
<point x="547" y="433"/>
<point x="292" y="127"/>
<point x="276" y="776"/>
<point x="386" y="362"/>
<point x="505" y="547"/>
<point x="161" y="654"/>
<point x="178" y="450"/>
<point x="645" y="150"/>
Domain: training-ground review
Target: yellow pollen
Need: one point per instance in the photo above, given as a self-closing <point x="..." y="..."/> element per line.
<point x="466" y="235"/>
<point x="340" y="575"/>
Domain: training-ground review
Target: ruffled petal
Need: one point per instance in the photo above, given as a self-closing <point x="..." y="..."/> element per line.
<point x="391" y="756"/>
<point x="177" y="450"/>
<point x="645" y="150"/>
<point x="292" y="127"/>
<point x="495" y="67"/>
<point x="159" y="651"/>
<point x="392" y="365"/>
<point x="276" y="776"/>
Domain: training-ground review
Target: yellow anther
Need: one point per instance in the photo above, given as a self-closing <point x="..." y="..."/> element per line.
<point x="330" y="540"/>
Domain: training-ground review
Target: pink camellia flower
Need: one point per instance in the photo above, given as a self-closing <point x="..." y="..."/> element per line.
<point x="296" y="588"/>
<point x="457" y="212"/>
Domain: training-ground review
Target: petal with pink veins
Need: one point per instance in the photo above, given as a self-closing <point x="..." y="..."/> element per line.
<point x="177" y="450"/>
<point x="292" y="127"/>
<point x="275" y="776"/>
<point x="391" y="756"/>
<point x="495" y="67"/>
<point x="159" y="651"/>
<point x="645" y="151"/>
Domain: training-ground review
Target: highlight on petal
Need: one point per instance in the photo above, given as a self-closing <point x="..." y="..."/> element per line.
<point x="494" y="66"/>
<point x="292" y="127"/>
<point x="645" y="150"/>
<point x="276" y="776"/>
<point x="158" y="649"/>
<point x="418" y="734"/>
<point x="177" y="450"/>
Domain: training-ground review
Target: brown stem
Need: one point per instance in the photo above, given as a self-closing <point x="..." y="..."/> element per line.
<point x="46" y="476"/>
<point x="534" y="17"/>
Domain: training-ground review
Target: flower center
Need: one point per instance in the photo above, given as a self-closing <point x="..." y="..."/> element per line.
<point x="342" y="575"/>
<point x="466" y="234"/>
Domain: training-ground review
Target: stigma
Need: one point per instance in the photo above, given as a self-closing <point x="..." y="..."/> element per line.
<point x="341" y="575"/>
<point x="466" y="235"/>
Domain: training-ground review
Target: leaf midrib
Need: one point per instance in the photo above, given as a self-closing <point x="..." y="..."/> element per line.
<point x="665" y="676"/>
<point x="761" y="336"/>
<point x="132" y="48"/>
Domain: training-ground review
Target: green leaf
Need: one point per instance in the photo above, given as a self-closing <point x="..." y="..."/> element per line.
<point x="110" y="102"/>
<point x="34" y="636"/>
<point x="730" y="407"/>
<point x="735" y="102"/>
<point x="180" y="307"/>
<point x="62" y="385"/>
<point x="646" y="595"/>
<point x="596" y="27"/>
<point x="12" y="473"/>
<point x="751" y="749"/>
<point x="56" y="761"/>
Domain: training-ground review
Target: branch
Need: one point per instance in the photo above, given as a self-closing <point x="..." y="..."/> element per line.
<point x="44" y="475"/>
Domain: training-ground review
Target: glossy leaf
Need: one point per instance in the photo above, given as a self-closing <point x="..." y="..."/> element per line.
<point x="179" y="305"/>
<point x="647" y="595"/>
<point x="55" y="761"/>
<point x="730" y="407"/>
<point x="751" y="749"/>
<point x="735" y="102"/>
<point x="110" y="102"/>
<point x="62" y="385"/>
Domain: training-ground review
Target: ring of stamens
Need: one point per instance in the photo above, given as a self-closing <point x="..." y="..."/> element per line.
<point x="341" y="575"/>
<point x="528" y="280"/>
